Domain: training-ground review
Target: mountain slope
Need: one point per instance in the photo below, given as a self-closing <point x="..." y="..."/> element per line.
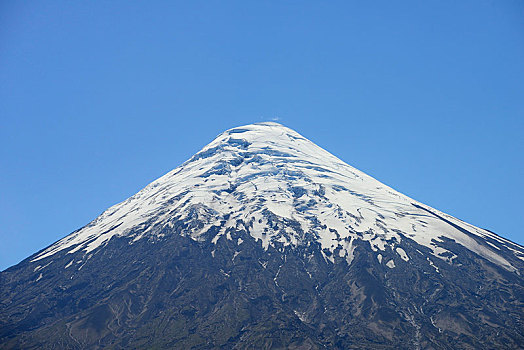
<point x="263" y="239"/>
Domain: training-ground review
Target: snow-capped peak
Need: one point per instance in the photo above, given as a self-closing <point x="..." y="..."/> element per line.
<point x="282" y="189"/>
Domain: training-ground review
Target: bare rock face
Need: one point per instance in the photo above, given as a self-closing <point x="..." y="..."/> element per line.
<point x="264" y="240"/>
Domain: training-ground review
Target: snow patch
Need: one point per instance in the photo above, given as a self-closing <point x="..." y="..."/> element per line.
<point x="402" y="254"/>
<point x="433" y="265"/>
<point x="390" y="264"/>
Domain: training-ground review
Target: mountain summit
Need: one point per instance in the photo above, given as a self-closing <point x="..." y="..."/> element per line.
<point x="265" y="240"/>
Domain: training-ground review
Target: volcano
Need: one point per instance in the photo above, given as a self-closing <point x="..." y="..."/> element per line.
<point x="265" y="240"/>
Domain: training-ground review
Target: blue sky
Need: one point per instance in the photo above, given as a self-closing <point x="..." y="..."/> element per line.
<point x="97" y="99"/>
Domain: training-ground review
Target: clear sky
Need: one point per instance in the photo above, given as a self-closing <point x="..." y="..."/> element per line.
<point x="97" y="99"/>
